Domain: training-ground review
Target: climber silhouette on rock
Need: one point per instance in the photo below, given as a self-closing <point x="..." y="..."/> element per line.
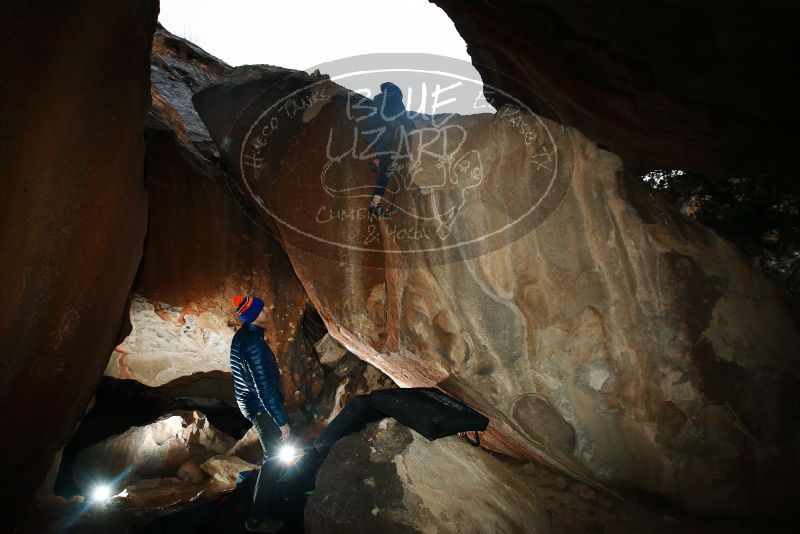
<point x="389" y="124"/>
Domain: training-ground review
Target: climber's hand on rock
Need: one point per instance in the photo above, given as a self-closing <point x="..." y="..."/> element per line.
<point x="285" y="431"/>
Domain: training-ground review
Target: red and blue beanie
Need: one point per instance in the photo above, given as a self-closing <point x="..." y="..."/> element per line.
<point x="248" y="308"/>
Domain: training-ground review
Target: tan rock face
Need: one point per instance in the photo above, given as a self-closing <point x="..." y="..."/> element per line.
<point x="190" y="471"/>
<point x="73" y="102"/>
<point x="610" y="338"/>
<point x="330" y="351"/>
<point x="225" y="468"/>
<point x="248" y="448"/>
<point x="163" y="495"/>
<point x="166" y="344"/>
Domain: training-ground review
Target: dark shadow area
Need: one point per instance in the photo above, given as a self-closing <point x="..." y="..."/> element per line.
<point x="759" y="213"/>
<point x="229" y="512"/>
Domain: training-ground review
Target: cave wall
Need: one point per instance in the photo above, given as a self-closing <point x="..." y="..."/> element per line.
<point x="697" y="86"/>
<point x="624" y="344"/>
<point x="204" y="245"/>
<point x="615" y="340"/>
<point x="73" y="101"/>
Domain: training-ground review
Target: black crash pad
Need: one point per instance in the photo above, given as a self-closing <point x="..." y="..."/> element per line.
<point x="429" y="411"/>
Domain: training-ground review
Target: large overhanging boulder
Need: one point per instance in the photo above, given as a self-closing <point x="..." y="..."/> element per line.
<point x="687" y="85"/>
<point x="205" y="244"/>
<point x="605" y="335"/>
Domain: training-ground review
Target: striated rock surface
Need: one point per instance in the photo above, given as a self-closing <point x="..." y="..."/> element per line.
<point x="159" y="449"/>
<point x="157" y="496"/>
<point x="153" y="497"/>
<point x="73" y="101"/>
<point x="178" y="68"/>
<point x="609" y="337"/>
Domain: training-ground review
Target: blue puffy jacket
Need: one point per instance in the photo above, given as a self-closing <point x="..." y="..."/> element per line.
<point x="256" y="380"/>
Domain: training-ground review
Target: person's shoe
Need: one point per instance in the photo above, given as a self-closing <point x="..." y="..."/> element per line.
<point x="379" y="211"/>
<point x="267" y="525"/>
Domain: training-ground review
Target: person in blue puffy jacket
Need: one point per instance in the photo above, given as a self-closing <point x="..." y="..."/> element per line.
<point x="257" y="386"/>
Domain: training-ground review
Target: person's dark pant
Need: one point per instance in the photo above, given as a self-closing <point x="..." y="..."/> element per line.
<point x="268" y="434"/>
<point x="384" y="171"/>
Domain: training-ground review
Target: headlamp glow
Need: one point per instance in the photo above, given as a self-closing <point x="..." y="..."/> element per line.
<point x="288" y="454"/>
<point x="101" y="493"/>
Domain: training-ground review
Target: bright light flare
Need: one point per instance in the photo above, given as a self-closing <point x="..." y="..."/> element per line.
<point x="288" y="454"/>
<point x="101" y="493"/>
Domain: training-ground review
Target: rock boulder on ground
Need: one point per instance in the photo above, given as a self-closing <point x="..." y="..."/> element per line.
<point x="225" y="468"/>
<point x="190" y="471"/>
<point x="248" y="448"/>
<point x="388" y="478"/>
<point x="156" y="450"/>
